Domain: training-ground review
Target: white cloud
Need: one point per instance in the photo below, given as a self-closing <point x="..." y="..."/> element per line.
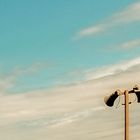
<point x="130" y="44"/>
<point x="90" y="31"/>
<point x="112" y="69"/>
<point x="128" y="15"/>
<point x="8" y="81"/>
<point x="77" y="108"/>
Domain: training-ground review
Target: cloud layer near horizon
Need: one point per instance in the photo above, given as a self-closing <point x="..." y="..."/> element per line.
<point x="74" y="111"/>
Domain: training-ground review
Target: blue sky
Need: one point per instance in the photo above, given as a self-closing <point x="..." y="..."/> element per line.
<point x="59" y="59"/>
<point x="44" y="32"/>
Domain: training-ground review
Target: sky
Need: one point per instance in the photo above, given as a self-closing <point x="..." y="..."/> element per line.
<point x="58" y="59"/>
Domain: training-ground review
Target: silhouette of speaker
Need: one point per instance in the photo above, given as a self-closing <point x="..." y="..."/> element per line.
<point x="138" y="96"/>
<point x="109" y="100"/>
<point x="137" y="92"/>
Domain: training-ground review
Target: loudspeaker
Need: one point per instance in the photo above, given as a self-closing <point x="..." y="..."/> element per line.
<point x="137" y="92"/>
<point x="138" y="96"/>
<point x="109" y="100"/>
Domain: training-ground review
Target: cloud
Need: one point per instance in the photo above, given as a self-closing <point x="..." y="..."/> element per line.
<point x="31" y="69"/>
<point x="102" y="71"/>
<point x="112" y="69"/>
<point x="91" y="31"/>
<point x="130" y="44"/>
<point x="76" y="110"/>
<point x="128" y="15"/>
<point x="55" y="97"/>
<point x="8" y="81"/>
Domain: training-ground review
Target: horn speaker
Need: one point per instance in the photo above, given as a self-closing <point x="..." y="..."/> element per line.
<point x="109" y="100"/>
<point x="138" y="96"/>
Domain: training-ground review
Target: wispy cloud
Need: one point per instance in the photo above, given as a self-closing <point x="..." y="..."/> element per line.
<point x="91" y="31"/>
<point x="8" y="81"/>
<point x="112" y="69"/>
<point x="59" y="110"/>
<point x="103" y="71"/>
<point x="129" y="44"/>
<point x="128" y="15"/>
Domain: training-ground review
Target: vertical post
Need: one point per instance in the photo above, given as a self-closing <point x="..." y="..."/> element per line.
<point x="126" y="95"/>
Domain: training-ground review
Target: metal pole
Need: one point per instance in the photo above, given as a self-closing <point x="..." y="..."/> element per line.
<point x="126" y="95"/>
